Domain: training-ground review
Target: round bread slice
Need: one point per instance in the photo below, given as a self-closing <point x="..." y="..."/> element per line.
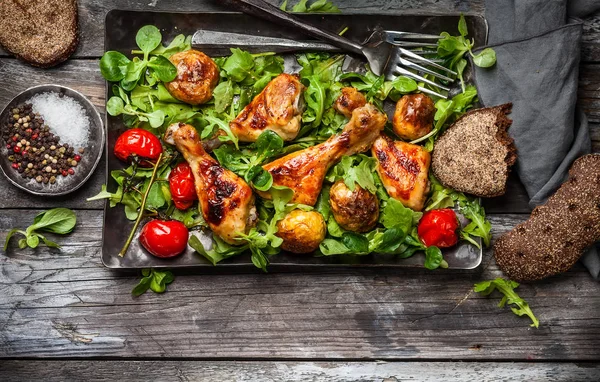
<point x="475" y="153"/>
<point x="41" y="32"/>
<point x="558" y="232"/>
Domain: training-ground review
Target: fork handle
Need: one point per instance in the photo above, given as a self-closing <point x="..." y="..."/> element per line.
<point x="264" y="10"/>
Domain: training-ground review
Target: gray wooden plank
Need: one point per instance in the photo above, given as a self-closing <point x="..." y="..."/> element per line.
<point x="84" y="76"/>
<point x="93" y="12"/>
<point x="267" y="371"/>
<point x="65" y="304"/>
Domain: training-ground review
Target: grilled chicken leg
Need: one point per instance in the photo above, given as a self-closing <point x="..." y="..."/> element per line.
<point x="226" y="201"/>
<point x="304" y="171"/>
<point x="403" y="169"/>
<point x="278" y="108"/>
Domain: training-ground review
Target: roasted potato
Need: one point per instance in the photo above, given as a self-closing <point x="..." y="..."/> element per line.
<point x="356" y="210"/>
<point x="197" y="76"/>
<point x="349" y="100"/>
<point x="413" y="117"/>
<point x="301" y="231"/>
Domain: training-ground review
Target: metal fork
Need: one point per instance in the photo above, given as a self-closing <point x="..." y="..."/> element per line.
<point x="383" y="56"/>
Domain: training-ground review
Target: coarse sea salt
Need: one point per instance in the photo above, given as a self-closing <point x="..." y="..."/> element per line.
<point x="64" y="116"/>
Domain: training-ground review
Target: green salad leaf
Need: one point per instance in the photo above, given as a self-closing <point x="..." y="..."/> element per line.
<point x="317" y="6"/>
<point x="453" y="49"/>
<point x="507" y="288"/>
<point x="356" y="169"/>
<point x="59" y="221"/>
<point x="153" y="279"/>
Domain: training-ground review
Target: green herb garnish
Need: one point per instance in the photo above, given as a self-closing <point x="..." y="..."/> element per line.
<point x="507" y="288"/>
<point x="58" y="220"/>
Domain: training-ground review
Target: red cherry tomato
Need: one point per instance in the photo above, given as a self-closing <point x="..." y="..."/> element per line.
<point x="138" y="142"/>
<point x="181" y="184"/>
<point x="164" y="238"/>
<point x="439" y="228"/>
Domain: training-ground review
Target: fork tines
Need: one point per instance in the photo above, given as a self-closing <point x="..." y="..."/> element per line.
<point x="411" y="63"/>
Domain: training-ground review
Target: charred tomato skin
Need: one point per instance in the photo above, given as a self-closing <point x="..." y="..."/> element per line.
<point x="164" y="238"/>
<point x="140" y="143"/>
<point x="439" y="228"/>
<point x="182" y="187"/>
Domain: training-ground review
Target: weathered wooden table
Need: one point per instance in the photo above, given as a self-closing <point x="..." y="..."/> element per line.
<point x="64" y="316"/>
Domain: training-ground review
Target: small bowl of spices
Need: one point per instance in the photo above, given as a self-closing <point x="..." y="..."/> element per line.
<point x="51" y="140"/>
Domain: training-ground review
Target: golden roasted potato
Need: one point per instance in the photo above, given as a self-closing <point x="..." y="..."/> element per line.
<point x="413" y="117"/>
<point x="301" y="231"/>
<point x="349" y="100"/>
<point x="357" y="210"/>
<point x="197" y="76"/>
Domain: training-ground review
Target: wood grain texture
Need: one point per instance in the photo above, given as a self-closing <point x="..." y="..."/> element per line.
<point x="66" y="304"/>
<point x="84" y="76"/>
<point x="93" y="12"/>
<point x="268" y="371"/>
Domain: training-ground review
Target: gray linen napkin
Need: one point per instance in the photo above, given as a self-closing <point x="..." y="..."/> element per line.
<point x="538" y="52"/>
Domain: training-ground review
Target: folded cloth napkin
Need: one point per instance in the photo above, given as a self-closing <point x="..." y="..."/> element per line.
<point x="538" y="51"/>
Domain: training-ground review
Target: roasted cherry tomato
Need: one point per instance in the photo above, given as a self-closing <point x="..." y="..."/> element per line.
<point x="164" y="238"/>
<point x="138" y="142"/>
<point x="181" y="184"/>
<point x="439" y="228"/>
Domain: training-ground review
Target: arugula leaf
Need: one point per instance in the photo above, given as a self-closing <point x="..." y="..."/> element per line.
<point x="356" y="169"/>
<point x="479" y="225"/>
<point x="153" y="279"/>
<point x="319" y="71"/>
<point x="507" y="288"/>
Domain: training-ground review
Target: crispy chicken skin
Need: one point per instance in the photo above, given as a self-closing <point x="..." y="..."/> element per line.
<point x="413" y="117"/>
<point x="304" y="171"/>
<point x="349" y="100"/>
<point x="197" y="76"/>
<point x="354" y="210"/>
<point x="301" y="231"/>
<point x="278" y="108"/>
<point x="403" y="169"/>
<point x="226" y="201"/>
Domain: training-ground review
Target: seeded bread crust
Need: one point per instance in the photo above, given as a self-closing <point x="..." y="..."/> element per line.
<point x="557" y="233"/>
<point x="43" y="33"/>
<point x="475" y="153"/>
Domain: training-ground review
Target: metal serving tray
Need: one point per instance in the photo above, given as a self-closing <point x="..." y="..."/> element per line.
<point x="121" y="28"/>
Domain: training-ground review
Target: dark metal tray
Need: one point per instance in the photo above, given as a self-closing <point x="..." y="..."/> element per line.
<point x="121" y="28"/>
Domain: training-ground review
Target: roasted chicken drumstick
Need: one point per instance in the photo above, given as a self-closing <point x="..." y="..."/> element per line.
<point x="304" y="171"/>
<point x="403" y="169"/>
<point x="278" y="108"/>
<point x="226" y="201"/>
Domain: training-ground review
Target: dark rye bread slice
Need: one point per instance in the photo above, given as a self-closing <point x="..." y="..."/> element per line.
<point x="41" y="32"/>
<point x="475" y="153"/>
<point x="558" y="232"/>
